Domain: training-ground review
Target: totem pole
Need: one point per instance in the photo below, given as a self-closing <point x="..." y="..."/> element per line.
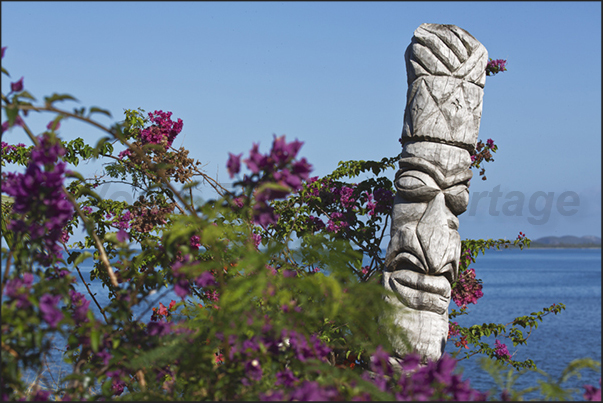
<point x="446" y="69"/>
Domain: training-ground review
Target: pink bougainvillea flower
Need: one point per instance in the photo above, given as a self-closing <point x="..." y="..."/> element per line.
<point x="257" y="239"/>
<point x="51" y="125"/>
<point x="256" y="161"/>
<point x="122" y="236"/>
<point x="467" y="289"/>
<point x="206" y="279"/>
<point x="495" y="66"/>
<point x="17" y="86"/>
<point x="501" y="351"/>
<point x="80" y="306"/>
<point x="283" y="152"/>
<point x="592" y="393"/>
<point x="50" y="312"/>
<point x="234" y="164"/>
<point x="195" y="242"/>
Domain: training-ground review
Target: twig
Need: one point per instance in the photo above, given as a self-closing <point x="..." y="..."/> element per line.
<point x="149" y="176"/>
<point x="102" y="311"/>
<point x="141" y="380"/>
<point x="10" y="350"/>
<point x="6" y="270"/>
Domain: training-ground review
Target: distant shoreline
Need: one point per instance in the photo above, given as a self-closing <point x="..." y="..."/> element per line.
<point x="544" y="246"/>
<point x="563" y="247"/>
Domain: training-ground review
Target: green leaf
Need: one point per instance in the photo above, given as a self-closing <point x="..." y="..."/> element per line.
<point x="100" y="144"/>
<point x="574" y="367"/>
<point x="74" y="174"/>
<point x="7" y="201"/>
<point x="107" y="148"/>
<point x="190" y="185"/>
<point x="83" y="256"/>
<point x="83" y="190"/>
<point x="58" y="97"/>
<point x="94" y="109"/>
<point x="25" y="94"/>
<point x="158" y="356"/>
<point x="11" y="113"/>
<point x="95" y="339"/>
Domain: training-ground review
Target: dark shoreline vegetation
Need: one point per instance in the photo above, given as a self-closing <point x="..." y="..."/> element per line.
<point x="563" y="246"/>
<point x="567" y="242"/>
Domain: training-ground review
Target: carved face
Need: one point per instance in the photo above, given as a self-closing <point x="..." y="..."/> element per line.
<point x="424" y="251"/>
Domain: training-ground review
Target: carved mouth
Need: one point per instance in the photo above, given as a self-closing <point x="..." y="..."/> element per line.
<point x="420" y="291"/>
<point x="406" y="261"/>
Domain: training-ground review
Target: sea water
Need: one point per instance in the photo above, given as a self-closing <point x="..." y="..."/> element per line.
<point x="518" y="282"/>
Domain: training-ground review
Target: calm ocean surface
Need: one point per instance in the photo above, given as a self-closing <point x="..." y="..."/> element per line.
<point x="516" y="283"/>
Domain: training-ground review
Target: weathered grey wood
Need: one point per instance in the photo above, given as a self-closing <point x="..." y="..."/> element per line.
<point x="446" y="69"/>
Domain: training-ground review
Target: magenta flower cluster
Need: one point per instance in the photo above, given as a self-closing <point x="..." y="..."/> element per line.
<point x="18" y="289"/>
<point x="467" y="289"/>
<point x="501" y="351"/>
<point x="8" y="148"/>
<point x="195" y="242"/>
<point x="495" y="66"/>
<point x="306" y="391"/>
<point x="337" y="222"/>
<point x="453" y="329"/>
<point x="345" y="202"/>
<point x="123" y="222"/>
<point x="17" y="86"/>
<point x="384" y="199"/>
<point x="251" y="351"/>
<point x="416" y="383"/>
<point x="51" y="313"/>
<point x="39" y="198"/>
<point x="279" y="167"/>
<point x="79" y="306"/>
<point x="182" y="286"/>
<point x="591" y="393"/>
<point x="162" y="129"/>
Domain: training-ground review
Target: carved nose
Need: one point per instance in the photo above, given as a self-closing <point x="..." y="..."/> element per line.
<point x="434" y="230"/>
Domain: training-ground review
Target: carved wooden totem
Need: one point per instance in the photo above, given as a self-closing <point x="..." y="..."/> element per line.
<point x="446" y="69"/>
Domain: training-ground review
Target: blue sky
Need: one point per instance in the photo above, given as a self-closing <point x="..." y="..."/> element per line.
<point x="332" y="74"/>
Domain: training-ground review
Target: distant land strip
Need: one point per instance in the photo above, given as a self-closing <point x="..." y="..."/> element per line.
<point x="567" y="241"/>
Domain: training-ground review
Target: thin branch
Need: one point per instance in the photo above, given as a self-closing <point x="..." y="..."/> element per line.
<point x="102" y="311"/>
<point x="221" y="190"/>
<point x="6" y="270"/>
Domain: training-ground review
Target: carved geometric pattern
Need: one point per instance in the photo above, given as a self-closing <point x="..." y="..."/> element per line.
<point x="447" y="50"/>
<point x="446" y="69"/>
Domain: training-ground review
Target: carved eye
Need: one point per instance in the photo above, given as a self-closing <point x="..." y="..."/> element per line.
<point x="416" y="186"/>
<point x="457" y="199"/>
<point x="410" y="182"/>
